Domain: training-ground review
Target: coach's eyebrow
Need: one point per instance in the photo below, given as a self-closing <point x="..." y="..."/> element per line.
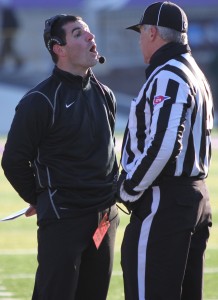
<point x="76" y="28"/>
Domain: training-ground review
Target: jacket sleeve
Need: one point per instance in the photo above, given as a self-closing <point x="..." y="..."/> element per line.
<point x="28" y="128"/>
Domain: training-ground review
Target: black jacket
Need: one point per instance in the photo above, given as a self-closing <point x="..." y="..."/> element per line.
<point x="62" y="141"/>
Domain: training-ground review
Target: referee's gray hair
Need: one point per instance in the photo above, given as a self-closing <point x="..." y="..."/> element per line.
<point x="170" y="35"/>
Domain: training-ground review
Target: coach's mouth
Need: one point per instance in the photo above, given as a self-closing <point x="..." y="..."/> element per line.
<point x="93" y="49"/>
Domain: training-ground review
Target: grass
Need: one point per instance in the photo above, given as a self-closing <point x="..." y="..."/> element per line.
<point x="18" y="246"/>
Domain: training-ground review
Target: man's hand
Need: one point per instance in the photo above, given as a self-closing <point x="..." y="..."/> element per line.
<point x="30" y="211"/>
<point x="129" y="201"/>
<point x="120" y="180"/>
<point x="122" y="177"/>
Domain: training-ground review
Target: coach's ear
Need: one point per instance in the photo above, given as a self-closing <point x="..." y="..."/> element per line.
<point x="59" y="50"/>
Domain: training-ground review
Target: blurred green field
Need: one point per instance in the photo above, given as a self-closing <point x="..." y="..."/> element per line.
<point x="18" y="246"/>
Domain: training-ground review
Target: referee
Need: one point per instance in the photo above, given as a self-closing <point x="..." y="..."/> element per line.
<point x="166" y="156"/>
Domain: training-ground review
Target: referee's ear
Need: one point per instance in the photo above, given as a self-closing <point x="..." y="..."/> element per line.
<point x="153" y="32"/>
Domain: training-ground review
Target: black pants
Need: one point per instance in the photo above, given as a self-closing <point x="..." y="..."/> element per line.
<point x="70" y="266"/>
<point x="164" y="243"/>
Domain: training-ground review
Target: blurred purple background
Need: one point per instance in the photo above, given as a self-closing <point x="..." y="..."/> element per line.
<point x="76" y="3"/>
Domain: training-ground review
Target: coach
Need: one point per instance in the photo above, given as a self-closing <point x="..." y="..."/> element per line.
<point x="165" y="158"/>
<point x="60" y="158"/>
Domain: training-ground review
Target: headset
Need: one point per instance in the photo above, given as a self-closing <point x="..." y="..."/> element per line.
<point x="48" y="38"/>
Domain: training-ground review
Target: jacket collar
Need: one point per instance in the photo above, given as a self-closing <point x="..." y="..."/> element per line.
<point x="164" y="54"/>
<point x="74" y="80"/>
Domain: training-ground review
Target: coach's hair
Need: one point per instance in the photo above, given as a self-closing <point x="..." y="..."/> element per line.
<point x="171" y="35"/>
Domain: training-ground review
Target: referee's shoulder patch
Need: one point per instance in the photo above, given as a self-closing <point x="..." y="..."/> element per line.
<point x="160" y="98"/>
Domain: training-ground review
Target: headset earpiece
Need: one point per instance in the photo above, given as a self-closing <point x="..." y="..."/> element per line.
<point x="48" y="38"/>
<point x="54" y="40"/>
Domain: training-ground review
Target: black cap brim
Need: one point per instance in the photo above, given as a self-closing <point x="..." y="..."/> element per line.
<point x="134" y="27"/>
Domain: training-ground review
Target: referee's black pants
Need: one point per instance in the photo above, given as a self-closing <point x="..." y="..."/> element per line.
<point x="70" y="267"/>
<point x="163" y="247"/>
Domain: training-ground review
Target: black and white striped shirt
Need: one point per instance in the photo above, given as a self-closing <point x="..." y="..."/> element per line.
<point x="169" y="127"/>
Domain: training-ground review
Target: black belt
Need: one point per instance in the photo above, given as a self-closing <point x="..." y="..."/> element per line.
<point x="176" y="179"/>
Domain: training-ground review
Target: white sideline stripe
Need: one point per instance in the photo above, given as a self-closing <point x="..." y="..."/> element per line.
<point x="18" y="276"/>
<point x="18" y="252"/>
<point x="210" y="270"/>
<point x="212" y="247"/>
<point x="5" y="293"/>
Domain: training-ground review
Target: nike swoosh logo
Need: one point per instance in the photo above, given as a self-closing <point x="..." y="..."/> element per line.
<point x="69" y="105"/>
